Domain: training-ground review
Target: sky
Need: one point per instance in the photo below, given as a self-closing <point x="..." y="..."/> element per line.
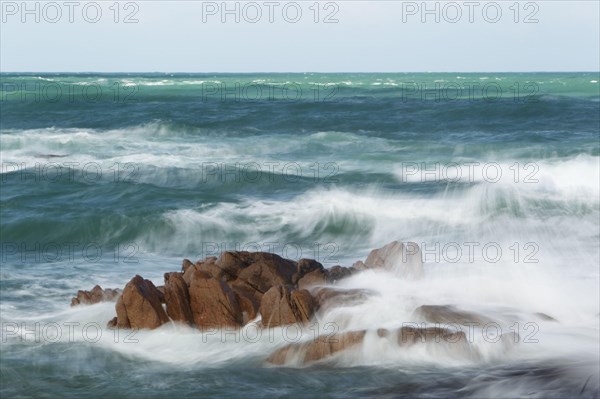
<point x="299" y="36"/>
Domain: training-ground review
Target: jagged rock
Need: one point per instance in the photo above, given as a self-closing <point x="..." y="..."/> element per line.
<point x="306" y="266"/>
<point x="207" y="265"/>
<point x="404" y="260"/>
<point x="266" y="271"/>
<point x="283" y="305"/>
<point x="95" y="295"/>
<point x="314" y="278"/>
<point x="320" y="348"/>
<point x="177" y="298"/>
<point x="213" y="302"/>
<point x="186" y="264"/>
<point x="447" y="314"/>
<point x="142" y="304"/>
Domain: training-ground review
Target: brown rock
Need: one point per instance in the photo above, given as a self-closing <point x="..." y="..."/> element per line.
<point x="186" y="264"/>
<point x="231" y="263"/>
<point x="95" y="295"/>
<point x="268" y="270"/>
<point x="408" y="336"/>
<point x="213" y="303"/>
<point x="189" y="273"/>
<point x="177" y="298"/>
<point x="248" y="308"/>
<point x="122" y="318"/>
<point x="112" y="323"/>
<point x="404" y="260"/>
<point x="142" y="301"/>
<point x="209" y="265"/>
<point x="314" y="278"/>
<point x="283" y="305"/>
<point x="304" y="267"/>
<point x="318" y="349"/>
<point x="161" y="293"/>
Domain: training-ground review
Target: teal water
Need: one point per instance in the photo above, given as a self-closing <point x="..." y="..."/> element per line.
<point x="105" y="176"/>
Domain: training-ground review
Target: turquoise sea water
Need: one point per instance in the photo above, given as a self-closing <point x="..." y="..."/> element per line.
<point x="105" y="176"/>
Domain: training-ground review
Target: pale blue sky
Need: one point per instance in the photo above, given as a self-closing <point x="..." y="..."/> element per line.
<point x="369" y="36"/>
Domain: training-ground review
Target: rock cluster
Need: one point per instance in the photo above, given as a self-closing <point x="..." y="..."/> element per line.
<point x="228" y="291"/>
<point x="239" y="287"/>
<point x="95" y="295"/>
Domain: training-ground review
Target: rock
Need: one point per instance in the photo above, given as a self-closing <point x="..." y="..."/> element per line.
<point x="112" y="323"/>
<point x="210" y="266"/>
<point x="283" y="305"/>
<point x="328" y="297"/>
<point x="95" y="295"/>
<point x="408" y="336"/>
<point x="447" y="314"/>
<point x="177" y="298"/>
<point x="337" y="273"/>
<point x="142" y="303"/>
<point x="186" y="264"/>
<point x="322" y="347"/>
<point x="231" y="263"/>
<point x="312" y="279"/>
<point x="404" y="260"/>
<point x="213" y="302"/>
<point x="304" y="267"/>
<point x="161" y="293"/>
<point x="122" y="318"/>
<point x="206" y="265"/>
<point x="189" y="273"/>
<point x="266" y="271"/>
<point x="248" y="307"/>
<point x="454" y="342"/>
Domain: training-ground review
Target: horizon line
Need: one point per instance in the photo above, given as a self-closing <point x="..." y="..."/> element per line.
<point x="300" y="72"/>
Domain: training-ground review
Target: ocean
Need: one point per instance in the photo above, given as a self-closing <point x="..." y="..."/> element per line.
<point x="495" y="175"/>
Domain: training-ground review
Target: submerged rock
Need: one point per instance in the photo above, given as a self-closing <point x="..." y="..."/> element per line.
<point x="328" y="297"/>
<point x="322" y="347"/>
<point x="325" y="346"/>
<point x="447" y="314"/>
